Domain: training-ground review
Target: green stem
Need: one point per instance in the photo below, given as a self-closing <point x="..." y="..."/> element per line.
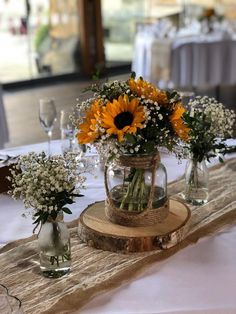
<point x="193" y="178"/>
<point x="136" y="190"/>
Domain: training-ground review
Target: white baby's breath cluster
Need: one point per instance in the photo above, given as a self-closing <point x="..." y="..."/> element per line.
<point x="37" y="179"/>
<point x="221" y="120"/>
<point x="80" y="110"/>
<point x="210" y="124"/>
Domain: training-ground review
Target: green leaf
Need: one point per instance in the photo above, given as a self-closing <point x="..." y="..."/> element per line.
<point x="96" y="75"/>
<point x="76" y="195"/>
<point x="67" y="210"/>
<point x="168" y="94"/>
<point x="111" y="157"/>
<point x="133" y="75"/>
<point x="130" y="138"/>
<point x="148" y="147"/>
<point x="37" y="220"/>
<point x="69" y="201"/>
<point x="44" y="217"/>
<point x="221" y="160"/>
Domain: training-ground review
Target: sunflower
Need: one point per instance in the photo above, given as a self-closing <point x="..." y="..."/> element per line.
<point x="178" y="124"/>
<point x="148" y="90"/>
<point x="88" y="129"/>
<point x="122" y="116"/>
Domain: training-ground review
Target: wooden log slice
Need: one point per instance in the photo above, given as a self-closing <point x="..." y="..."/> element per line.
<point x="97" y="231"/>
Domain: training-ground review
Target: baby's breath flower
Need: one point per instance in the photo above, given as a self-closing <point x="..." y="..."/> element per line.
<point x="210" y="124"/>
<point x="38" y="180"/>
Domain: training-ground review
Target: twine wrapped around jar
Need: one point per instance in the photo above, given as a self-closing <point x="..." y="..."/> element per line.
<point x="149" y="216"/>
<point x="140" y="162"/>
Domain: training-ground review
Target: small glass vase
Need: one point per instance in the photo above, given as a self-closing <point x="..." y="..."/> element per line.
<point x="196" y="182"/>
<point x="55" y="249"/>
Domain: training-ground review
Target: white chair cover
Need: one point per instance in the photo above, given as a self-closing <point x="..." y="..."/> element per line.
<point x="160" y="62"/>
<point x="142" y="57"/>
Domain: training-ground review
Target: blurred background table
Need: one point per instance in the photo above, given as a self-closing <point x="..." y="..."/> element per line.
<point x="189" y="61"/>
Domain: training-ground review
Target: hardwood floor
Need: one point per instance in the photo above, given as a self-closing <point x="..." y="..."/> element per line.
<point x="21" y="108"/>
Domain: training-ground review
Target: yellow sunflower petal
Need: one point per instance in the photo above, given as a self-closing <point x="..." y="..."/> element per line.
<point x="133" y="106"/>
<point x="120" y="135"/>
<point x="87" y="130"/>
<point x="148" y="90"/>
<point x="113" y="108"/>
<point x="178" y="124"/>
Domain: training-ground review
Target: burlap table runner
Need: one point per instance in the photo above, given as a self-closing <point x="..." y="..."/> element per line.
<point x="94" y="270"/>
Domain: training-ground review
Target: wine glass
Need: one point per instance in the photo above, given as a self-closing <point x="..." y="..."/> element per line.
<point x="67" y="131"/>
<point x="186" y="96"/>
<point x="47" y="117"/>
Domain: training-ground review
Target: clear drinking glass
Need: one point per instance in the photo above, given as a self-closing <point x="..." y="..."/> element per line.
<point x="186" y="96"/>
<point x="81" y="148"/>
<point x="47" y="117"/>
<point x="67" y="131"/>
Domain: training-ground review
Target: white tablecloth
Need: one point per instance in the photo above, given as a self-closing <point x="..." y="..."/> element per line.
<point x="199" y="279"/>
<point x="203" y="63"/>
<point x="185" y="62"/>
<point x="18" y="227"/>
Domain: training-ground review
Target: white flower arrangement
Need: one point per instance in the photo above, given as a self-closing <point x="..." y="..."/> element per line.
<point x="210" y="123"/>
<point x="46" y="184"/>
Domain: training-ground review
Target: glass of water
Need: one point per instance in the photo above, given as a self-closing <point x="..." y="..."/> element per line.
<point x="67" y="131"/>
<point x="47" y="117"/>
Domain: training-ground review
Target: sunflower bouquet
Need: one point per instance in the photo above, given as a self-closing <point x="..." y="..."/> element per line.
<point x="132" y="118"/>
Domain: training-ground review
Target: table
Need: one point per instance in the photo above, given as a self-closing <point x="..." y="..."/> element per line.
<point x="186" y="62"/>
<point x="22" y="227"/>
<point x="204" y="62"/>
<point x="198" y="279"/>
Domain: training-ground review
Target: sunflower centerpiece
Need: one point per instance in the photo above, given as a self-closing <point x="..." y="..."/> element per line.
<point x="128" y="121"/>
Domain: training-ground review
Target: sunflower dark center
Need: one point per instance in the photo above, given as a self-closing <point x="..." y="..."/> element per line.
<point x="123" y="119"/>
